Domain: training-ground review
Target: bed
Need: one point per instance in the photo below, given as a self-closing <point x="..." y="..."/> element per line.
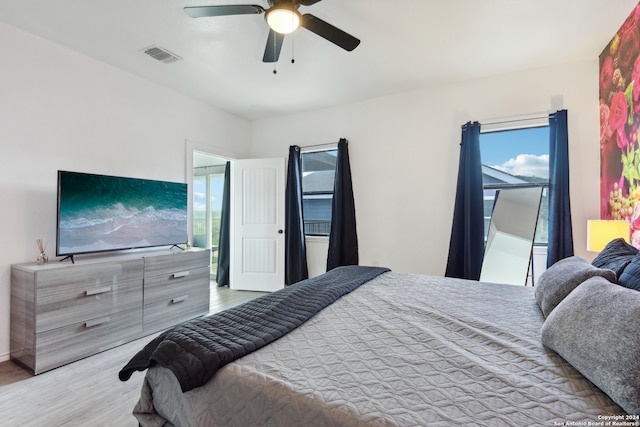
<point x="411" y="350"/>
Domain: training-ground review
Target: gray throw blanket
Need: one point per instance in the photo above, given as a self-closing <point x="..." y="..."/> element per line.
<point x="196" y="349"/>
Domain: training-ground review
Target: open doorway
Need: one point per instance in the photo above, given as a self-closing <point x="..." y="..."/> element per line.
<point x="205" y="176"/>
<point x="208" y="184"/>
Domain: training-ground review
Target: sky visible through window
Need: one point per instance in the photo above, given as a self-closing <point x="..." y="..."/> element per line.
<point x="200" y="194"/>
<point x="523" y="152"/>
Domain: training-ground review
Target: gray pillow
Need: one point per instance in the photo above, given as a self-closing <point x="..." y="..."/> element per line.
<point x="597" y="330"/>
<point x="562" y="277"/>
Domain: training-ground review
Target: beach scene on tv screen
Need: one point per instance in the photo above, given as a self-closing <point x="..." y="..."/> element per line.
<point x="105" y="213"/>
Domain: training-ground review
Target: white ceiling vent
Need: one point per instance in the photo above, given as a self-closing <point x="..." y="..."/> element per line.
<point x="161" y="54"/>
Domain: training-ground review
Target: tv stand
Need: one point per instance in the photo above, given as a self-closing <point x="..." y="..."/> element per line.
<point x="64" y="312"/>
<point x="68" y="257"/>
<point x="176" y="246"/>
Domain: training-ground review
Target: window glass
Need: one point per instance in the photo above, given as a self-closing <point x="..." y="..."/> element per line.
<point x="217" y="189"/>
<point x="208" y="184"/>
<point x="318" y="173"/>
<point x="200" y="211"/>
<point x="513" y="158"/>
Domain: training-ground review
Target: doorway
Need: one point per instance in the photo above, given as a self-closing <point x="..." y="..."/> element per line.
<point x="205" y="176"/>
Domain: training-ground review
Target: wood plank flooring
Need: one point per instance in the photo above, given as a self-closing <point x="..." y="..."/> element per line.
<point x="87" y="392"/>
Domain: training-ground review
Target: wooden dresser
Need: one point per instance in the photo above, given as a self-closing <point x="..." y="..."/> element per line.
<point x="62" y="312"/>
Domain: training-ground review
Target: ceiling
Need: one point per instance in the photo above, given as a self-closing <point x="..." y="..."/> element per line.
<point x="406" y="44"/>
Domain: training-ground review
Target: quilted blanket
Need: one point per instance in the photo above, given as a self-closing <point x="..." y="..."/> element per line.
<point x="196" y="349"/>
<point x="401" y="350"/>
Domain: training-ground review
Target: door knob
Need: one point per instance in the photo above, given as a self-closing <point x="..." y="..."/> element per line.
<point x="280" y="231"/>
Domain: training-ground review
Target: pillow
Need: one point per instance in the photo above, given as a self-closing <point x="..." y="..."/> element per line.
<point x="562" y="277"/>
<point x="615" y="256"/>
<point x="630" y="277"/>
<point x="597" y="330"/>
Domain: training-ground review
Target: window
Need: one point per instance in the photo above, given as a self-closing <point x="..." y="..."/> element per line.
<point x="208" y="183"/>
<point x="318" y="174"/>
<point x="516" y="158"/>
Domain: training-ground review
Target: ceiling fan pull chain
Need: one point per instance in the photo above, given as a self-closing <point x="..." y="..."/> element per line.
<point x="274" y="49"/>
<point x="293" y="61"/>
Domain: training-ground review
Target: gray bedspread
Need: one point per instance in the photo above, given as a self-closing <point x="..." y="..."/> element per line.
<point x="196" y="349"/>
<point x="401" y="350"/>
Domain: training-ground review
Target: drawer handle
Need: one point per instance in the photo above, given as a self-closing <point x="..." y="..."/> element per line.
<point x="97" y="291"/>
<point x="179" y="299"/>
<point x="180" y="274"/>
<point x="96" y="322"/>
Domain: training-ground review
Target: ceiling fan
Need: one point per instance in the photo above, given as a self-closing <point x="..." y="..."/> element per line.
<point x="283" y="17"/>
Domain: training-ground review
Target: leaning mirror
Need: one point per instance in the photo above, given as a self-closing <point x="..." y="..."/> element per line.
<point x="508" y="251"/>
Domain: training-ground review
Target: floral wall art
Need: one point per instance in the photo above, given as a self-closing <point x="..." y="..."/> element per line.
<point x="619" y="126"/>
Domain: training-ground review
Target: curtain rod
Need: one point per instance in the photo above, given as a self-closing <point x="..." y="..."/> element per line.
<point x="537" y="117"/>
<point x="502" y="122"/>
<point x="325" y="145"/>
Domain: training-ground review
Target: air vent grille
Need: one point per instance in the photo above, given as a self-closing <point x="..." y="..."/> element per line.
<point x="161" y="54"/>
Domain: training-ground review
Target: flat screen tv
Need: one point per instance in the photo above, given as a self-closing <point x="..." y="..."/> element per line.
<point x="99" y="213"/>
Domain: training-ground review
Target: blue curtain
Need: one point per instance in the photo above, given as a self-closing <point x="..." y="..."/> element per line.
<point x="295" y="264"/>
<point x="343" y="240"/>
<point x="560" y="232"/>
<point x="466" y="246"/>
<point x="224" y="251"/>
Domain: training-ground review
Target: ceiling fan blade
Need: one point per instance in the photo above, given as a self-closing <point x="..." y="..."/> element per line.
<point x="333" y="34"/>
<point x="238" y="9"/>
<point x="273" y="47"/>
<point x="308" y="2"/>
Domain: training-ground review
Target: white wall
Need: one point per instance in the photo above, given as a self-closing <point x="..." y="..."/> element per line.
<point x="404" y="155"/>
<point x="62" y="110"/>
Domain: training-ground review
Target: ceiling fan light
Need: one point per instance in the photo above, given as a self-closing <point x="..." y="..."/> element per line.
<point x="283" y="20"/>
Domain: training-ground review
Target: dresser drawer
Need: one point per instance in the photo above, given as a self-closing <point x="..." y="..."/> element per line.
<point x="74" y="294"/>
<point x="167" y="265"/>
<point x="57" y="284"/>
<point x="63" y="345"/>
<point x="80" y="302"/>
<point x="183" y="306"/>
<point x="165" y="287"/>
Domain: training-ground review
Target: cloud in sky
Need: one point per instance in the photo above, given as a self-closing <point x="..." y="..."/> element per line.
<point x="200" y="201"/>
<point x="527" y="165"/>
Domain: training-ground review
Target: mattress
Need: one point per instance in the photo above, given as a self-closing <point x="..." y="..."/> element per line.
<point x="401" y="350"/>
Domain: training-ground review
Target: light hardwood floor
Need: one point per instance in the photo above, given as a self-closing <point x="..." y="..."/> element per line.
<point x="87" y="392"/>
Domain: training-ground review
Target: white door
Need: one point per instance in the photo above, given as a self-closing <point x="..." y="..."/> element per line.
<point x="257" y="224"/>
